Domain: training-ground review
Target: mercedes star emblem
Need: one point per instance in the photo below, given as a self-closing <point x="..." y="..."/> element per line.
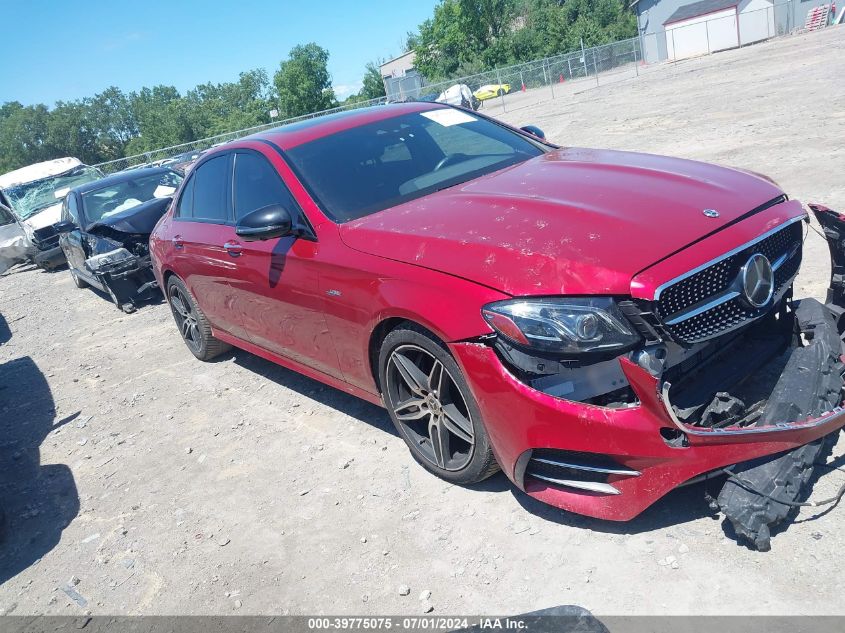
<point x="758" y="280"/>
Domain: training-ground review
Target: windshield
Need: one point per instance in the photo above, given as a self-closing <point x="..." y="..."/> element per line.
<point x="33" y="197"/>
<point x="372" y="167"/>
<point x="122" y="196"/>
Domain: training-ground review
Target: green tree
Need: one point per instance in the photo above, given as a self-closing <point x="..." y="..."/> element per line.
<point x="23" y="132"/>
<point x="303" y="82"/>
<point x="110" y="117"/>
<point x="219" y="108"/>
<point x="69" y="133"/>
<point x="163" y="119"/>
<point x="465" y="36"/>
<point x="373" y="83"/>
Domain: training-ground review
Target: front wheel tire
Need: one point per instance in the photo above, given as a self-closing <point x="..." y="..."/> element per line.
<point x="431" y="406"/>
<point x="77" y="280"/>
<point x="192" y="323"/>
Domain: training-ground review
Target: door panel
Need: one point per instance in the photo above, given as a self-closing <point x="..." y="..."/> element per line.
<point x="200" y="232"/>
<point x="276" y="288"/>
<point x="207" y="267"/>
<point x="277" y="294"/>
<point x="71" y="242"/>
<point x="74" y="251"/>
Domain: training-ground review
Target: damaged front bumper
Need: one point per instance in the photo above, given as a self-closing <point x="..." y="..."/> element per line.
<point x="127" y="277"/>
<point x="669" y="426"/>
<point x="47" y="254"/>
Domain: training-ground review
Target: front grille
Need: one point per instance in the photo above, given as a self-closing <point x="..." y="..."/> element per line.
<point x="709" y="303"/>
<point x="45" y="238"/>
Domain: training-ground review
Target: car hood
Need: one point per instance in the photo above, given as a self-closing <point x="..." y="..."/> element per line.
<point x="573" y="221"/>
<point x="140" y="219"/>
<point x="45" y="217"/>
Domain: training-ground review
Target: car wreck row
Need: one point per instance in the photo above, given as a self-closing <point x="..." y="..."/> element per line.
<point x="509" y="301"/>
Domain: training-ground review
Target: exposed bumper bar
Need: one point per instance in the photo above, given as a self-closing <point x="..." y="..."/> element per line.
<point x="824" y="419"/>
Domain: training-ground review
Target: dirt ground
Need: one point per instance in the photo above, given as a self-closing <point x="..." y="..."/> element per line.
<point x="147" y="482"/>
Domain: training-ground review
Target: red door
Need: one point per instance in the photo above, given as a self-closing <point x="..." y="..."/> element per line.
<point x="202" y="237"/>
<point x="276" y="287"/>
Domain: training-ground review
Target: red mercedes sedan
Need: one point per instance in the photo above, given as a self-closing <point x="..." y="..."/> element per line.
<point x="603" y="326"/>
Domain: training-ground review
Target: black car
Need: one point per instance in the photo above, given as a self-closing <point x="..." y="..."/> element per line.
<point x="183" y="162"/>
<point x="105" y="229"/>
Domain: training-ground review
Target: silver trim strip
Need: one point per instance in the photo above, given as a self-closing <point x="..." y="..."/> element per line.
<point x="592" y="469"/>
<point x="742" y="324"/>
<point x="734" y="251"/>
<point x="725" y="296"/>
<point x="713" y="303"/>
<point x="592" y="486"/>
<point x="838" y="412"/>
<point x="780" y="261"/>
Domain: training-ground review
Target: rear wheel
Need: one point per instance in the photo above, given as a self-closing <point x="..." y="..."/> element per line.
<point x="500" y="92"/>
<point x="431" y="406"/>
<point x="192" y="323"/>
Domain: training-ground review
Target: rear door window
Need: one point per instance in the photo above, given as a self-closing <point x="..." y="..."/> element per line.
<point x="211" y="181"/>
<point x="185" y="208"/>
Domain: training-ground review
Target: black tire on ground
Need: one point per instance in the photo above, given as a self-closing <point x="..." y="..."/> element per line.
<point x="500" y="92"/>
<point x="77" y="280"/>
<point x="474" y="461"/>
<point x="197" y="333"/>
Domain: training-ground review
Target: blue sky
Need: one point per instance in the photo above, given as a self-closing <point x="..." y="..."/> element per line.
<point x="53" y="50"/>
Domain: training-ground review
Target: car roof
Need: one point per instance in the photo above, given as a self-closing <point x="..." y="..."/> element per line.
<point x="123" y="176"/>
<point x="293" y="134"/>
<point x="37" y="171"/>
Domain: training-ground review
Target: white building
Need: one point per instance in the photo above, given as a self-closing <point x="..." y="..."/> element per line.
<point x="715" y="25"/>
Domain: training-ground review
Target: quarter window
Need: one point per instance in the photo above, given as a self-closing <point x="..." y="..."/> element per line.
<point x="258" y="185"/>
<point x="209" y="194"/>
<point x="186" y="202"/>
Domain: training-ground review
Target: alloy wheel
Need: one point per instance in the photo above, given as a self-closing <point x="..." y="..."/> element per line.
<point x="430" y="408"/>
<point x="186" y="318"/>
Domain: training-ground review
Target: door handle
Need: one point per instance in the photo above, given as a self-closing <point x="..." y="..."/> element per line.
<point x="177" y="241"/>
<point x="233" y="248"/>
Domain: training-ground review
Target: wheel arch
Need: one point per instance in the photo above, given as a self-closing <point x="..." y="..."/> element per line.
<point x="379" y="333"/>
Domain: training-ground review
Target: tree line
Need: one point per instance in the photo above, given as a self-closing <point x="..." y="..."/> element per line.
<point x="114" y="124"/>
<point x="461" y="38"/>
<point x="465" y="37"/>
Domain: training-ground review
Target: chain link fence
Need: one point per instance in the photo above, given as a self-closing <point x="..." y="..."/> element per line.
<point x="184" y="152"/>
<point x="515" y="86"/>
<point x="505" y="89"/>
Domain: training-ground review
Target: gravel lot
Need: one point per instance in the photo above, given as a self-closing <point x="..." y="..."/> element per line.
<point x="146" y="482"/>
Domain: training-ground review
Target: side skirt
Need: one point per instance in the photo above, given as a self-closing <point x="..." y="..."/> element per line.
<point x="310" y="372"/>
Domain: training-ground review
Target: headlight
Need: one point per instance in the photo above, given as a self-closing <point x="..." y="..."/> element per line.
<point x="563" y="325"/>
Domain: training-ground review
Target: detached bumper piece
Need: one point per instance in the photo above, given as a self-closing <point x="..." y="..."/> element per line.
<point x="761" y="492"/>
<point x="128" y="278"/>
<point x="48" y="254"/>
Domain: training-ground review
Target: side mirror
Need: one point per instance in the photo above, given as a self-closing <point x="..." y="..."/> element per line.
<point x="64" y="227"/>
<point x="265" y="223"/>
<point x="534" y="130"/>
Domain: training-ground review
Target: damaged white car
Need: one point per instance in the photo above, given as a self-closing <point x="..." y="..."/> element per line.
<point x="34" y="194"/>
<point x="105" y="229"/>
<point x="14" y="247"/>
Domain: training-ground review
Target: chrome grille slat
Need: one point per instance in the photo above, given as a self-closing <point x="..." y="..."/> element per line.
<point x="705" y="302"/>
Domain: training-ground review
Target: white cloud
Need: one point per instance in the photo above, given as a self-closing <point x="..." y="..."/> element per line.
<point x="341" y="91"/>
